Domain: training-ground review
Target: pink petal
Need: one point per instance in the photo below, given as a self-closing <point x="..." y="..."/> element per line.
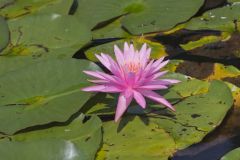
<point x="126" y="47"/>
<point x="94" y="74"/>
<point x="97" y="88"/>
<point x="153" y="87"/>
<point x="123" y="101"/>
<point x="154" y="96"/>
<point x="149" y="66"/>
<point x="158" y="82"/>
<point x="157" y="75"/>
<point x="110" y="78"/>
<point x="119" y="55"/>
<point x="114" y="68"/>
<point x="139" y="99"/>
<point x="130" y="79"/>
<point x="97" y="81"/>
<point x="142" y="52"/>
<point x="131" y="51"/>
<point x="102" y="88"/>
<point x="156" y="66"/>
<point x="170" y="81"/>
<point x="104" y="62"/>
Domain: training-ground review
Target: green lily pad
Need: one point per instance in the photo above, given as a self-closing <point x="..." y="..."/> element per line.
<point x="15" y="58"/>
<point x="232" y="155"/>
<point x="75" y="141"/>
<point x="159" y="134"/>
<point x="135" y="141"/>
<point x="15" y="9"/>
<point x="223" y="19"/>
<point x="99" y="11"/>
<point x="112" y="30"/>
<point x="4" y="32"/>
<point x="58" y="7"/>
<point x="62" y="31"/>
<point x="43" y="92"/>
<point x="161" y="15"/>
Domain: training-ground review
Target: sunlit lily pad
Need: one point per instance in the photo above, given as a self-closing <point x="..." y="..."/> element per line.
<point x="43" y="92"/>
<point x="159" y="134"/>
<point x="232" y="155"/>
<point x="206" y="40"/>
<point x="75" y="141"/>
<point x="4" y="32"/>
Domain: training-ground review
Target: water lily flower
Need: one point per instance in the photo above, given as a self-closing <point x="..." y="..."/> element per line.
<point x="133" y="75"/>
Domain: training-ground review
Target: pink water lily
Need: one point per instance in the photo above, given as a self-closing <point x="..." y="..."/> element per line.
<point x="133" y="75"/>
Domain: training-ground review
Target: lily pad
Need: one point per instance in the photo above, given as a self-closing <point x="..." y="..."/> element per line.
<point x="99" y="11"/>
<point x="223" y="19"/>
<point x="17" y="57"/>
<point x="112" y="30"/>
<point x="158" y="135"/>
<point x="62" y="31"/>
<point x="4" y="32"/>
<point x="15" y="9"/>
<point x="135" y="141"/>
<point x="161" y="15"/>
<point x="43" y="92"/>
<point x="75" y="141"/>
<point x="58" y="7"/>
<point x="232" y="155"/>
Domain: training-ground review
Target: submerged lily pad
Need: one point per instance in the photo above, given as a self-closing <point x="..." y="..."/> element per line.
<point x="43" y="92"/>
<point x="159" y="134"/>
<point x="232" y="155"/>
<point x="4" y="32"/>
<point x="75" y="141"/>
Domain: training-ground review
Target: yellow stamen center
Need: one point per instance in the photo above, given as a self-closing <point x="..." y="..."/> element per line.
<point x="133" y="66"/>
